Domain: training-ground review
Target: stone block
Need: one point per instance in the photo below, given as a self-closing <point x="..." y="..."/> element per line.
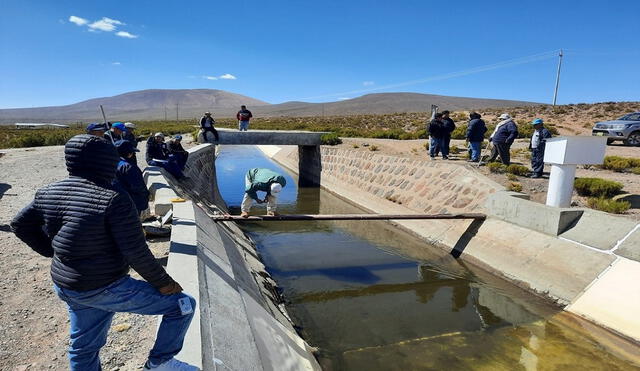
<point x="546" y="219"/>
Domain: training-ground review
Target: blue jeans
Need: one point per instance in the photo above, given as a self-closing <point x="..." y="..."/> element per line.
<point x="243" y="125"/>
<point x="90" y="314"/>
<point x="475" y="148"/>
<point x="434" y="146"/>
<point x="537" y="160"/>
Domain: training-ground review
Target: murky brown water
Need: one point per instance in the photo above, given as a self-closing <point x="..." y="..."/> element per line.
<point x="371" y="297"/>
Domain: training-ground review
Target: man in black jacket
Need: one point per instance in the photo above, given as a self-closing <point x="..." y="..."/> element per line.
<point x="435" y="135"/>
<point x="91" y="231"/>
<point x="207" y="125"/>
<point x="448" y="126"/>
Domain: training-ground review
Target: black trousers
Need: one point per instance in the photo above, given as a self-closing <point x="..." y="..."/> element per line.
<point x="537" y="160"/>
<point x="211" y="129"/>
<point x="502" y="150"/>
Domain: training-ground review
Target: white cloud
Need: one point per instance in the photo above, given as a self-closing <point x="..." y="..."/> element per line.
<point x="126" y="35"/>
<point x="105" y="24"/>
<point x="368" y="83"/>
<point x="228" y="76"/>
<point x="343" y="98"/>
<point x="78" y="21"/>
<point x="209" y="77"/>
<point x="116" y="63"/>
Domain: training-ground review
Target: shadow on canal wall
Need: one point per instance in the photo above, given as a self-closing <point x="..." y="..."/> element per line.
<point x="242" y="323"/>
<point x="587" y="269"/>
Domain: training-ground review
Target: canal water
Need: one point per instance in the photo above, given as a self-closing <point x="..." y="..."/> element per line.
<point x="371" y="297"/>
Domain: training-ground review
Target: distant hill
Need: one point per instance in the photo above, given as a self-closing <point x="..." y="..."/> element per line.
<point x="151" y="104"/>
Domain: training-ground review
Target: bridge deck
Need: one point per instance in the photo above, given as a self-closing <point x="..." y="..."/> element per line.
<point x="272" y="137"/>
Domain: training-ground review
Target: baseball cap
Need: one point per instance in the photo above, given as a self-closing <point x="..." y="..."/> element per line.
<point x="178" y="137"/>
<point x="504" y="116"/>
<point x="537" y="121"/>
<point x="276" y="187"/>
<point x="96" y="126"/>
<point x="130" y="125"/>
<point x="119" y="125"/>
<point x="159" y="134"/>
<point x="125" y="147"/>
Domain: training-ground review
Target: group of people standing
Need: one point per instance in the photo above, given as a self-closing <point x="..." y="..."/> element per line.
<point x="501" y="139"/>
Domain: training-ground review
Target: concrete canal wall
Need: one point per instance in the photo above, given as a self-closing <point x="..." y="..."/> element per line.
<point x="241" y="323"/>
<point x="586" y="261"/>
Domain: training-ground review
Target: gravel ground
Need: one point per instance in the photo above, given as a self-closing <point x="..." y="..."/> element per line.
<point x="33" y="321"/>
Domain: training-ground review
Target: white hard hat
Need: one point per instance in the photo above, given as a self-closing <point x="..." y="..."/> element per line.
<point x="130" y="125"/>
<point x="276" y="187"/>
<point x="159" y="134"/>
<point x="504" y="116"/>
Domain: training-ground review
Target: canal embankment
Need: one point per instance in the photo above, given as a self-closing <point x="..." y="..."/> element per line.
<point x="585" y="261"/>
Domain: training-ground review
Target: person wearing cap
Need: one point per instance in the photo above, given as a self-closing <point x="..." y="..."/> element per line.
<point x="448" y="126"/>
<point x="207" y="125"/>
<point x="92" y="233"/>
<point x="475" y="135"/>
<point x="130" y="134"/>
<point x="243" y="116"/>
<point x="176" y="149"/>
<point x="96" y="129"/>
<point x="537" y="145"/>
<point x="264" y="180"/>
<point x="158" y="155"/>
<point x="130" y="177"/>
<point x="502" y="138"/>
<point x="116" y="132"/>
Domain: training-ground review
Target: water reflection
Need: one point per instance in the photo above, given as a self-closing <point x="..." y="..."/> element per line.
<point x="374" y="298"/>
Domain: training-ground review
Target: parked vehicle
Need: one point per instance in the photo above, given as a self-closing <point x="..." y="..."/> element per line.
<point x="626" y="129"/>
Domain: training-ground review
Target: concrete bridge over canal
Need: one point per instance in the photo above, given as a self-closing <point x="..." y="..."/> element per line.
<point x="309" y="164"/>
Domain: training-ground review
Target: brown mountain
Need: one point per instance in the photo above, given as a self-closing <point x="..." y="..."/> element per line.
<point x="151" y="104"/>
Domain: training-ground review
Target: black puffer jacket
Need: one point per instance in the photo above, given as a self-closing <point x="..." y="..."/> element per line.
<point x="91" y="229"/>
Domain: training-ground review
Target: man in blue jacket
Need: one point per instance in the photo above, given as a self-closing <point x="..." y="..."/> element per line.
<point x="503" y="136"/>
<point x="92" y="232"/>
<point x="537" y="145"/>
<point x="263" y="180"/>
<point x="475" y="135"/>
<point x="130" y="177"/>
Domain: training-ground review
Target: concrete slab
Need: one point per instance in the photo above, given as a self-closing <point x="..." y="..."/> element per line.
<point x="630" y="247"/>
<point x="162" y="201"/>
<point x="182" y="265"/>
<point x="270" y="137"/>
<point x="599" y="229"/>
<point x="280" y="349"/>
<point x="613" y="300"/>
<point x="542" y="218"/>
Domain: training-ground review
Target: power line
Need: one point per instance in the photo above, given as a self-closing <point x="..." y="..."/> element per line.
<point x="489" y="67"/>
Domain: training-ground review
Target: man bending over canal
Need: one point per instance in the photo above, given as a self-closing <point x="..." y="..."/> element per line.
<point x="263" y="180"/>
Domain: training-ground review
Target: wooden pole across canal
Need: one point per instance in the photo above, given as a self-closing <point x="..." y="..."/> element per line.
<point x="298" y="217"/>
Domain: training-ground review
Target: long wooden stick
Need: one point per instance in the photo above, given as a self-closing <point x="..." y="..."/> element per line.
<point x="298" y="217"/>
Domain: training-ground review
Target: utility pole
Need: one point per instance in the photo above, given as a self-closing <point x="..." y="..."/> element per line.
<point x="165" y="113"/>
<point x="177" y="110"/>
<point x="555" y="93"/>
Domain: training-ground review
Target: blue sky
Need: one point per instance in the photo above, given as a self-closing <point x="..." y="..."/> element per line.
<point x="61" y="52"/>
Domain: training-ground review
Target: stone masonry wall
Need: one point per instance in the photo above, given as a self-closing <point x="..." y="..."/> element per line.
<point x="422" y="185"/>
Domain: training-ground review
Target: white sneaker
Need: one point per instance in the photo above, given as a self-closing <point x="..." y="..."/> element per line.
<point x="173" y="365"/>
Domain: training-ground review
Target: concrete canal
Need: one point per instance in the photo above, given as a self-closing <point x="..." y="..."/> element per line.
<point x="371" y="297"/>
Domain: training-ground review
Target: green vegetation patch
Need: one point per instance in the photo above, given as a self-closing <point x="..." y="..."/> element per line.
<point x="330" y="139"/>
<point x="517" y="170"/>
<point x="597" y="187"/>
<point x="608" y="205"/>
<point x="620" y="164"/>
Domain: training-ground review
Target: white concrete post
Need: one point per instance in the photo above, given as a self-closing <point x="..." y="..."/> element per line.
<point x="564" y="154"/>
<point x="561" y="185"/>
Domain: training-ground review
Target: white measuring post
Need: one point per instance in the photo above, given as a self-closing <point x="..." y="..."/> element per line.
<point x="565" y="154"/>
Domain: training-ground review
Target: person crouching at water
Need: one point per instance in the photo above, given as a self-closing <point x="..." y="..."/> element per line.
<point x="263" y="180"/>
